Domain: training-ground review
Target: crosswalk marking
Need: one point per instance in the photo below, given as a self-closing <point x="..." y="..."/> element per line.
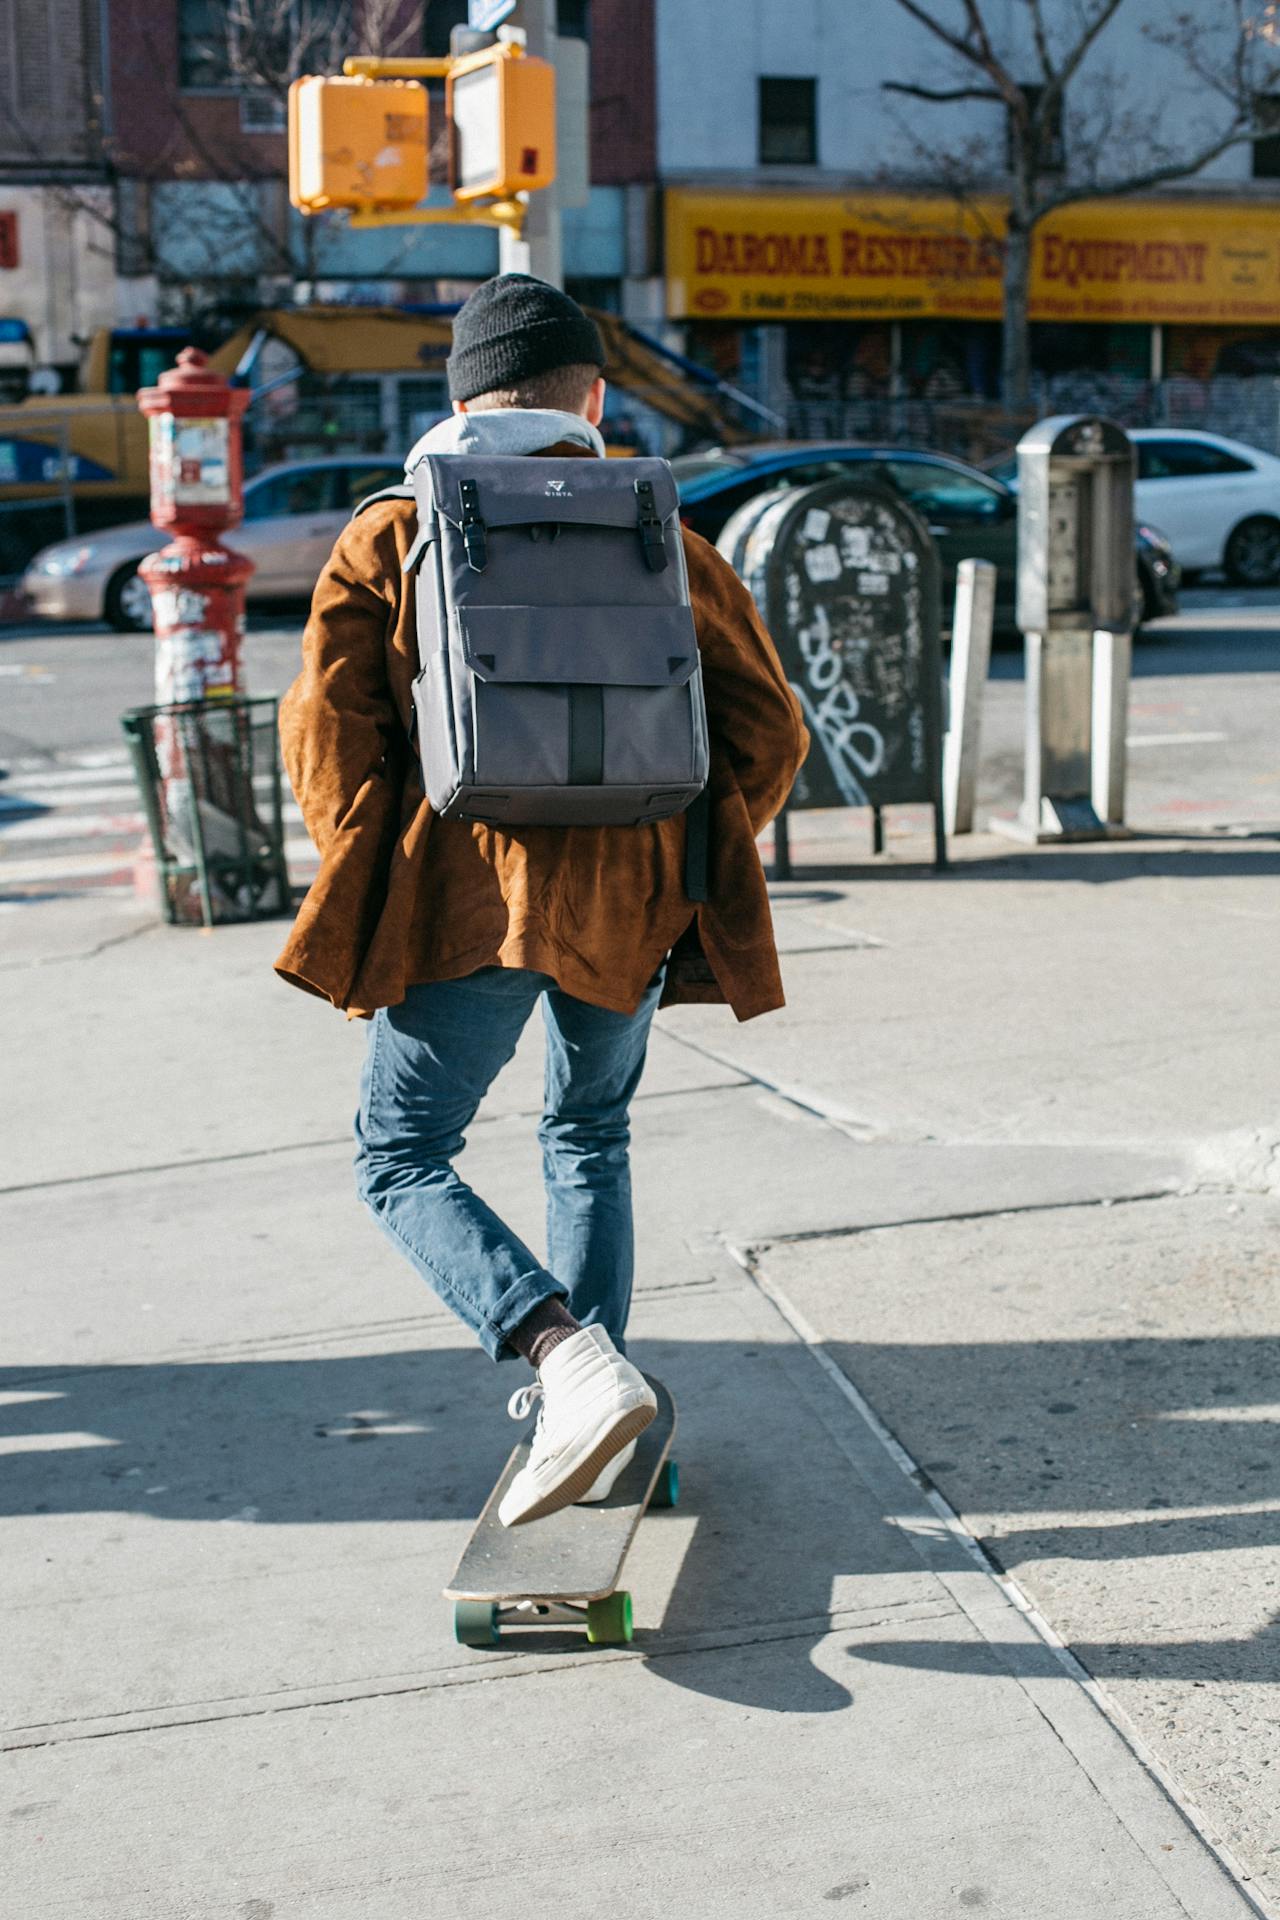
<point x="37" y="782"/>
<point x="76" y="827"/>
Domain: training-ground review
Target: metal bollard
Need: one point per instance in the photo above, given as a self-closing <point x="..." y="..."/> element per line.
<point x="970" y="660"/>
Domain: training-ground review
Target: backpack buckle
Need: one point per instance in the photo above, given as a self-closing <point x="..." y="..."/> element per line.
<point x="651" y="531"/>
<point x="474" y="537"/>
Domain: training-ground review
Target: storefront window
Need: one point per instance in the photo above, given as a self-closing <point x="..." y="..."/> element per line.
<point x="1087" y="347"/>
<point x="1208" y="353"/>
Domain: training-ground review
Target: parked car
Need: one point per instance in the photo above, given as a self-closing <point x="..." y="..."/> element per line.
<point x="292" y="516"/>
<point x="972" y="515"/>
<point x="1217" y="499"/>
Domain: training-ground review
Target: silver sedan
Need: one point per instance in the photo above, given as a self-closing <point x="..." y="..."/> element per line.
<point x="292" y="516"/>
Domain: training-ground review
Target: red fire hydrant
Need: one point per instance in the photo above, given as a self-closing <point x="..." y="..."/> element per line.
<point x="205" y="802"/>
<point x="197" y="584"/>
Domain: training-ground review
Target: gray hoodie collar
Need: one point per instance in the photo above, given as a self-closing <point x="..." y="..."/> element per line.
<point x="506" y="430"/>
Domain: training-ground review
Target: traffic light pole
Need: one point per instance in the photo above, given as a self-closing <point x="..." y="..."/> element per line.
<point x="528" y="223"/>
<point x="537" y="247"/>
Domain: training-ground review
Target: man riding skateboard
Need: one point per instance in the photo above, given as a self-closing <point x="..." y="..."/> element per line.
<point x="445" y="932"/>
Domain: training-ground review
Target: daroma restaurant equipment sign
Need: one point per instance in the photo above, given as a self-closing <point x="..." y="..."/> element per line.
<point x="825" y="257"/>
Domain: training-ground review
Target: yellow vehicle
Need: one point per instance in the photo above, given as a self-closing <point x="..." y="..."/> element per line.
<point x="73" y="462"/>
<point x="327" y="381"/>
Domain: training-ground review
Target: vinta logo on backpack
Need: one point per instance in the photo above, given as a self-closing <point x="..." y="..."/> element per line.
<point x="560" y="488"/>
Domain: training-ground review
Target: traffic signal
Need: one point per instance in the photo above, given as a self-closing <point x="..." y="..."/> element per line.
<point x="501" y="105"/>
<point x="357" y="143"/>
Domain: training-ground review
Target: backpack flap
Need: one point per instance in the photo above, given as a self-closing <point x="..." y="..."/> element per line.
<point x="519" y="491"/>
<point x="560" y="646"/>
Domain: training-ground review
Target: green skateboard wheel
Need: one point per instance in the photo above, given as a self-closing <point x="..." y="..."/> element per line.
<point x="475" y="1623"/>
<point x="609" y="1620"/>
<point x="666" y="1488"/>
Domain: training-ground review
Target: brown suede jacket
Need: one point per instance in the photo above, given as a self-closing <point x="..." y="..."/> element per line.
<point x="404" y="897"/>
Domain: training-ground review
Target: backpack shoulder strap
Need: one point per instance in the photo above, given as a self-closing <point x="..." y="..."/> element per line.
<point x="402" y="492"/>
<point x="422" y="538"/>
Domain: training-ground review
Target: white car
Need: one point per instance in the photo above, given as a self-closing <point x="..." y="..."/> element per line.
<point x="292" y="516"/>
<point x="1217" y="499"/>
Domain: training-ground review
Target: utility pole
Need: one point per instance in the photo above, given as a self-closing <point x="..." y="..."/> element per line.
<point x="539" y="249"/>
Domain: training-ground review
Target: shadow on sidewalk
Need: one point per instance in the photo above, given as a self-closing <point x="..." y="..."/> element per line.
<point x="1069" y="1432"/>
<point x="1167" y="856"/>
<point x="421" y="1436"/>
<point x="779" y="1529"/>
<point x="1214" y="641"/>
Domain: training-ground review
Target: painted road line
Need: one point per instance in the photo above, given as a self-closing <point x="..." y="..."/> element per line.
<point x="300" y="855"/>
<point x="78" y="780"/>
<point x="72" y="826"/>
<point x="83" y="826"/>
<point x="23" y="798"/>
<point x="1176" y="739"/>
<point x="65" y="866"/>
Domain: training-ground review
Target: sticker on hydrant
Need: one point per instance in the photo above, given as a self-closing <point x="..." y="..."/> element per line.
<point x="193" y="663"/>
<point x="189" y="461"/>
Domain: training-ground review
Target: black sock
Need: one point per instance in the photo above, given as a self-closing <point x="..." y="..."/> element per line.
<point x="544" y="1328"/>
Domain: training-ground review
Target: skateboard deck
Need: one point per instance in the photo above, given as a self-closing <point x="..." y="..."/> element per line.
<point x="564" y="1568"/>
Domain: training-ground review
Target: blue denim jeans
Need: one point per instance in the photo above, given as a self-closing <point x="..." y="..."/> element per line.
<point x="430" y="1062"/>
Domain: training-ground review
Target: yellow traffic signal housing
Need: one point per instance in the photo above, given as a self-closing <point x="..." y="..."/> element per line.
<point x="357" y="143"/>
<point x="501" y="105"/>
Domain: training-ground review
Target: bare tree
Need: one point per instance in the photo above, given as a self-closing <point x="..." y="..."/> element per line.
<point x="261" y="47"/>
<point x="1071" y="134"/>
<point x="268" y="44"/>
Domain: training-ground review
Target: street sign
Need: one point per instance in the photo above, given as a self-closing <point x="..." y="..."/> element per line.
<point x="484" y="15"/>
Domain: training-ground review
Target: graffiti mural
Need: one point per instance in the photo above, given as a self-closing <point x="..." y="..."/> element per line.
<point x="846" y="578"/>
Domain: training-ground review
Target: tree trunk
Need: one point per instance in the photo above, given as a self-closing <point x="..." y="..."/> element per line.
<point x="1016" y="343"/>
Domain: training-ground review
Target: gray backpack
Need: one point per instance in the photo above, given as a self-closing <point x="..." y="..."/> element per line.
<point x="560" y="682"/>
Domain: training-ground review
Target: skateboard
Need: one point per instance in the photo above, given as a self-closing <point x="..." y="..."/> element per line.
<point x="563" y="1569"/>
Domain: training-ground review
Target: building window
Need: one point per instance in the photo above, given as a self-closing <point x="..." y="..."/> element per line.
<point x="572" y="19"/>
<point x="439" y="18"/>
<point x="204" y="44"/>
<point x="788" y="122"/>
<point x="1266" y="151"/>
<point x="1053" y="152"/>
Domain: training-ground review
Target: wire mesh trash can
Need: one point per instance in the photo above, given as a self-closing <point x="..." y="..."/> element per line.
<point x="209" y="775"/>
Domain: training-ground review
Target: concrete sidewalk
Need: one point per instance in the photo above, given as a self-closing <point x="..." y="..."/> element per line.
<point x="978" y="1227"/>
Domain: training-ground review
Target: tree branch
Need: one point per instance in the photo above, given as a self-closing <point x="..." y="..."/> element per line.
<point x="942" y="93"/>
<point x="1157" y="176"/>
<point x="922" y="17"/>
<point x="979" y="35"/>
<point x="1040" y="35"/>
<point x="1070" y="66"/>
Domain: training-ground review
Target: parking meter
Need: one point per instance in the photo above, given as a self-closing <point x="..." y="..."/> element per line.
<point x="1075" y="606"/>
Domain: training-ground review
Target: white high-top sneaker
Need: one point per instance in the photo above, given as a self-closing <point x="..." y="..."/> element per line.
<point x="603" y="1484"/>
<point x="593" y="1403"/>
